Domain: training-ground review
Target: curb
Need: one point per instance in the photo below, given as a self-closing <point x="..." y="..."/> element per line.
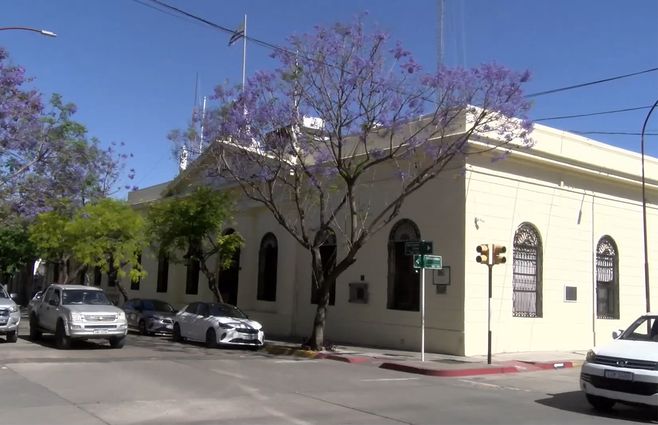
<point x="290" y="351"/>
<point x="298" y="352"/>
<point x="448" y="372"/>
<point x="345" y="359"/>
<point x="514" y="367"/>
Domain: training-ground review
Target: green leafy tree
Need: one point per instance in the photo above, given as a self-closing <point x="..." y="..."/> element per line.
<point x="108" y="234"/>
<point x="16" y="250"/>
<point x="190" y="228"/>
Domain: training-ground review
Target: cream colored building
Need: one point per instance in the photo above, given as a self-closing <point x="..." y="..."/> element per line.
<point x="569" y="211"/>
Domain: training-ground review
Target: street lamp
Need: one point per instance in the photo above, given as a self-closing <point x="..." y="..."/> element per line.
<point x="42" y="32"/>
<point x="644" y="215"/>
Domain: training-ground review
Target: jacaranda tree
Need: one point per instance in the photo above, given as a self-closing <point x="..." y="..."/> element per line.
<point x="47" y="160"/>
<point x="377" y="115"/>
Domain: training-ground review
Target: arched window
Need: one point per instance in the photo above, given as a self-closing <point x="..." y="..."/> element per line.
<point x="267" y="268"/>
<point x="229" y="278"/>
<point x="328" y="257"/>
<point x="607" y="279"/>
<point x="403" y="281"/>
<point x="526" y="272"/>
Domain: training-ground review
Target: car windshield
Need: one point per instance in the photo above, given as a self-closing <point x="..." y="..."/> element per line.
<point x="643" y="329"/>
<point x="226" y="310"/>
<point x="83" y="296"/>
<point x="3" y="293"/>
<point x="155" y="305"/>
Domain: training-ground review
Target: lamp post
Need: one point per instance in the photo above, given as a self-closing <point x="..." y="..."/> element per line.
<point x="647" y="289"/>
<point x="42" y="32"/>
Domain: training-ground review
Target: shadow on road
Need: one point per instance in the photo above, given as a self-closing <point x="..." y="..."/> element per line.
<point x="48" y="341"/>
<point x="575" y="401"/>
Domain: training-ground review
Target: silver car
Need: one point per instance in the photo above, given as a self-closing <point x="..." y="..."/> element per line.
<point x="149" y="316"/>
<point x="10" y="316"/>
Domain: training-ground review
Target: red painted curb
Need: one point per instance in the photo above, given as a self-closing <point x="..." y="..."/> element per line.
<point x="550" y="365"/>
<point x="449" y="372"/>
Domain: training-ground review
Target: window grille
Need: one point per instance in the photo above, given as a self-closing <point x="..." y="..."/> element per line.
<point x="607" y="280"/>
<point x="526" y="272"/>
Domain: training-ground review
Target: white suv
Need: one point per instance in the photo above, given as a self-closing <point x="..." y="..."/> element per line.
<point x="10" y="316"/>
<point x="626" y="370"/>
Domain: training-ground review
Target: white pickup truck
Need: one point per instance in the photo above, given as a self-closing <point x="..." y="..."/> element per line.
<point x="77" y="312"/>
<point x="10" y="316"/>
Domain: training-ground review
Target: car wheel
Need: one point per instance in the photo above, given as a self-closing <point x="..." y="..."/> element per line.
<point x="601" y="404"/>
<point x="142" y="328"/>
<point x="35" y="333"/>
<point x="117" y="341"/>
<point x="176" y="334"/>
<point x="211" y="338"/>
<point x="61" y="339"/>
<point x="12" y="336"/>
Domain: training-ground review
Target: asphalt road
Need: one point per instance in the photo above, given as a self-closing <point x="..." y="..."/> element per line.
<point x="155" y="381"/>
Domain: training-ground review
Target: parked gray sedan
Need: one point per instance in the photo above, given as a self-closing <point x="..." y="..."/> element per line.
<point x="149" y="316"/>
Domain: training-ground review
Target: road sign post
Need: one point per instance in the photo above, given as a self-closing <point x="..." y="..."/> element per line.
<point x="422" y="262"/>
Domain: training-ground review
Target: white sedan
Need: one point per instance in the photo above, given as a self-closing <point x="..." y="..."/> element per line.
<point x="217" y="324"/>
<point x="626" y="370"/>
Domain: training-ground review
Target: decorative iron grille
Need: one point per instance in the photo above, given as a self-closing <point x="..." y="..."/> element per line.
<point x="607" y="286"/>
<point x="526" y="272"/>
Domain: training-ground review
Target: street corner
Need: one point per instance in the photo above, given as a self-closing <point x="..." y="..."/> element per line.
<point x="516" y="366"/>
<point x="432" y="370"/>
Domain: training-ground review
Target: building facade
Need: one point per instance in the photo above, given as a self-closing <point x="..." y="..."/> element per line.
<point x="568" y="210"/>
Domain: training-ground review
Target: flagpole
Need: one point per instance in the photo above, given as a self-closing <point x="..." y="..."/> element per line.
<point x="244" y="53"/>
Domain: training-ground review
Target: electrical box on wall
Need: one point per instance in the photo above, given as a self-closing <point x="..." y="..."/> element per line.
<point x="359" y="292"/>
<point x="570" y="293"/>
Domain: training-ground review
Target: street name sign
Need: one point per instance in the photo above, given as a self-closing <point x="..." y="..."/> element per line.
<point x="418" y="247"/>
<point x="434" y="262"/>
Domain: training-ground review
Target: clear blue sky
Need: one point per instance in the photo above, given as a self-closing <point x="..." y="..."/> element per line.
<point x="131" y="69"/>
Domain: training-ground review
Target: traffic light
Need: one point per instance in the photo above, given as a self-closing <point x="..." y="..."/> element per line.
<point x="483" y="250"/>
<point x="498" y="251"/>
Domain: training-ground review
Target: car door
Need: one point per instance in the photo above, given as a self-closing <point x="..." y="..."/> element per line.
<point x="132" y="314"/>
<point x="49" y="310"/>
<point x="185" y="320"/>
<point x="201" y="322"/>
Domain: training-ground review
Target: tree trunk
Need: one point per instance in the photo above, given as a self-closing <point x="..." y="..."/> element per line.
<point x="212" y="281"/>
<point x="123" y="292"/>
<point x="316" y="340"/>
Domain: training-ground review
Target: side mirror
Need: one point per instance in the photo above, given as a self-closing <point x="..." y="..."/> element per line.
<point x="13" y="296"/>
<point x="52" y="302"/>
<point x="616" y="334"/>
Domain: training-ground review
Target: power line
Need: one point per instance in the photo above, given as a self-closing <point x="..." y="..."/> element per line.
<point x="614" y="111"/>
<point x="605" y="80"/>
<point x="282" y="49"/>
<point x="620" y="133"/>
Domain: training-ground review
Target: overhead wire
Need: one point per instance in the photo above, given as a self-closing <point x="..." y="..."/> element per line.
<point x="193" y="17"/>
<point x="283" y="49"/>
<point x="590" y="114"/>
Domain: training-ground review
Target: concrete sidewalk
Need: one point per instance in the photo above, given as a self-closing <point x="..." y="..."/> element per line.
<point x="443" y="365"/>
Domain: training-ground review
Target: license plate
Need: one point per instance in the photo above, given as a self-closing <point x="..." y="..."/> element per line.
<point x="100" y="331"/>
<point x="618" y="374"/>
